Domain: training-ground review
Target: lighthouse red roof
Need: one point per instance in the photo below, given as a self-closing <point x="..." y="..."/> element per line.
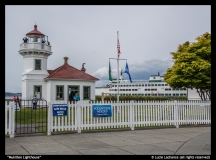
<point x="35" y="32"/>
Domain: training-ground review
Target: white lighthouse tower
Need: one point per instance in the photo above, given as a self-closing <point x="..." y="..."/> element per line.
<point x="35" y="51"/>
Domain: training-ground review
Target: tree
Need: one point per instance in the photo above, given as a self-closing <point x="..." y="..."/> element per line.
<point x="192" y="66"/>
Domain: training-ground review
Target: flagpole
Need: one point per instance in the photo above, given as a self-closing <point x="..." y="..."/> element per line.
<point x="117" y="70"/>
<point x="118" y="80"/>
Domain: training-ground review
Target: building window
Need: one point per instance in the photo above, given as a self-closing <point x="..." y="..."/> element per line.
<point x="162" y="84"/>
<point x="86" y="92"/>
<point x="159" y="84"/>
<point x="37" y="64"/>
<point x="38" y="91"/>
<point x="60" y="92"/>
<point x="155" y="84"/>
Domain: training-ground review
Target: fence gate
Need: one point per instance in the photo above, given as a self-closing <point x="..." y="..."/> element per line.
<point x="29" y="121"/>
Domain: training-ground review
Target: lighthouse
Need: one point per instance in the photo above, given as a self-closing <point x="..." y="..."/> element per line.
<point x="35" y="50"/>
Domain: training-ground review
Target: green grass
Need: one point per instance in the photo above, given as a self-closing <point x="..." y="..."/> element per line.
<point x="27" y="115"/>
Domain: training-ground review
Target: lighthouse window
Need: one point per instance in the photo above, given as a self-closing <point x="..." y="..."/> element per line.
<point x="37" y="64"/>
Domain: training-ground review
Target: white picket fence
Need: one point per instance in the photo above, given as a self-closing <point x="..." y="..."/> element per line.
<point x="9" y="118"/>
<point x="125" y="115"/>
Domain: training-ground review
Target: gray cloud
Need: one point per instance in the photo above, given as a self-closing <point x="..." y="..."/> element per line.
<point x="88" y="34"/>
<point x="138" y="71"/>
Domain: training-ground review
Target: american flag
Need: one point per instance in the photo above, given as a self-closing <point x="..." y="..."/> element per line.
<point x="118" y="46"/>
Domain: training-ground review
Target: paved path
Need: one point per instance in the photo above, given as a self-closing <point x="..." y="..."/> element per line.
<point x="167" y="141"/>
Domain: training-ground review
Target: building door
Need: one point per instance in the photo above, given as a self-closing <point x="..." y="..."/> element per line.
<point x="75" y="89"/>
<point x="37" y="91"/>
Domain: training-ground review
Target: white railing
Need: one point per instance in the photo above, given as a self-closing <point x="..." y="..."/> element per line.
<point x="35" y="45"/>
<point x="125" y="115"/>
<point x="131" y="115"/>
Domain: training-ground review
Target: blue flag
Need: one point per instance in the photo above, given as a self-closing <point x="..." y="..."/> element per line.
<point x="127" y="71"/>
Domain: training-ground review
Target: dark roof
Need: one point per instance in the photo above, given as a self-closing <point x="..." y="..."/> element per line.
<point x="68" y="72"/>
<point x="35" y="32"/>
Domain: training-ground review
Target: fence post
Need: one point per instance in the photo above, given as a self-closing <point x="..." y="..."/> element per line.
<point x="6" y="117"/>
<point x="78" y="106"/>
<point x="176" y="114"/>
<point x="49" y="118"/>
<point x="11" y="119"/>
<point x="131" y="115"/>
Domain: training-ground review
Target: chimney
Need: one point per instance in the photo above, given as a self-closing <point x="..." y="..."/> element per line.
<point x="83" y="69"/>
<point x="65" y="60"/>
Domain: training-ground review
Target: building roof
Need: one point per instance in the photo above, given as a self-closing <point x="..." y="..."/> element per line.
<point x="35" y="32"/>
<point x="69" y="72"/>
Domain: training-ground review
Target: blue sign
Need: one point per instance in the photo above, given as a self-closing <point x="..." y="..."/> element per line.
<point x="102" y="110"/>
<point x="60" y="109"/>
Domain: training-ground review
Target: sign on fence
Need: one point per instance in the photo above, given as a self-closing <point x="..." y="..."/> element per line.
<point x="102" y="110"/>
<point x="60" y="109"/>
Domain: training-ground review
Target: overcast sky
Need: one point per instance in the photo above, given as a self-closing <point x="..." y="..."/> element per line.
<point x="88" y="34"/>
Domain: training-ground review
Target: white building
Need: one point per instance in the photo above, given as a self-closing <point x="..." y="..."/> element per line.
<point x="51" y="84"/>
